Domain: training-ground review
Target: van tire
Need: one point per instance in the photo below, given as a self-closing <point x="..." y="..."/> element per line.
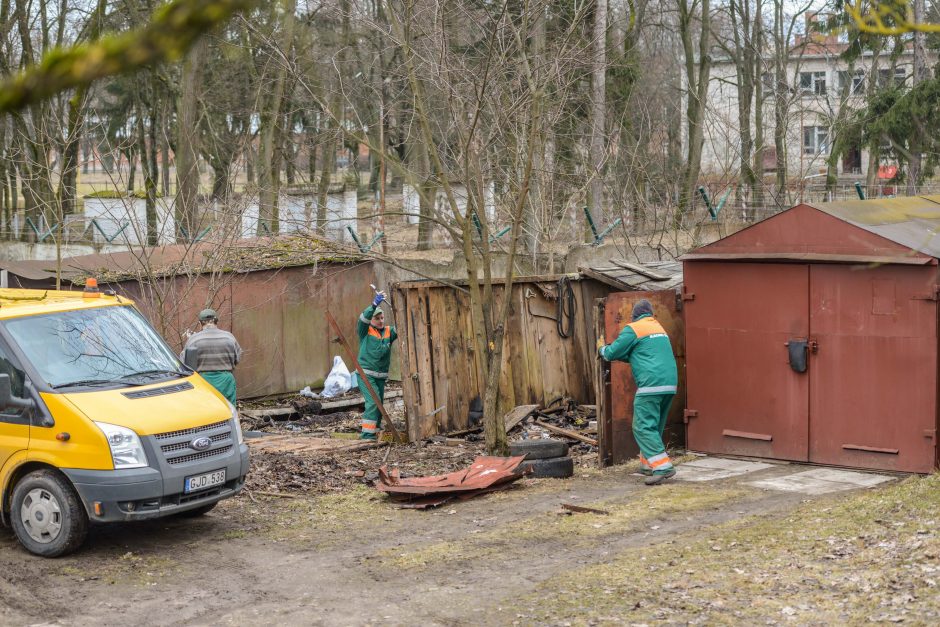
<point x="538" y="449"/>
<point x="199" y="511"/>
<point x="60" y="498"/>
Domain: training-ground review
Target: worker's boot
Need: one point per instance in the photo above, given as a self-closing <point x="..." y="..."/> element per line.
<point x="657" y="478"/>
<point x="646" y="471"/>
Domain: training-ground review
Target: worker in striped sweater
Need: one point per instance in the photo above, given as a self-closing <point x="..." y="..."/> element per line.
<point x="375" y="355"/>
<point x="646" y="346"/>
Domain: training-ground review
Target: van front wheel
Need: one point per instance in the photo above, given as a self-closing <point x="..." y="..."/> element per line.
<point x="47" y="515"/>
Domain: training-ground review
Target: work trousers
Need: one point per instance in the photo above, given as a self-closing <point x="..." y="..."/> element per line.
<point x="371" y="417"/>
<point x="223" y="381"/>
<point x="650" y="412"/>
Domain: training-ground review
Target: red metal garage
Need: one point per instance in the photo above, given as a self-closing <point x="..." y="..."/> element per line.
<point x="812" y="336"/>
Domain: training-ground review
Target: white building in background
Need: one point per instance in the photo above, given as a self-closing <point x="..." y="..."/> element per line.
<point x="816" y="74"/>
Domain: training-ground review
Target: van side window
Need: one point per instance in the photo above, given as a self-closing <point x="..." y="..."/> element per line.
<point x="17" y="380"/>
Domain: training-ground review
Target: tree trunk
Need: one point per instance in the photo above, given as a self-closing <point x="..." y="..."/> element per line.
<point x="920" y="74"/>
<point x="697" y="94"/>
<point x="188" y="144"/>
<point x="757" y="40"/>
<point x="598" y="114"/>
<point x="269" y="179"/>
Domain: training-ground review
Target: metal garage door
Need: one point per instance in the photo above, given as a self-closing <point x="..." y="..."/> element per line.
<point x="873" y="378"/>
<point x="744" y="397"/>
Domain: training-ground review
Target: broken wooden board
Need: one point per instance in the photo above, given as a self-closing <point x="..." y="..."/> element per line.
<point x="574" y="435"/>
<point x="517" y="415"/>
<point x="325" y="408"/>
<point x="306" y="444"/>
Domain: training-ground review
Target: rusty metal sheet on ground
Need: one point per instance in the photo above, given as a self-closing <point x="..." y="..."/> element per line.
<point x="483" y="473"/>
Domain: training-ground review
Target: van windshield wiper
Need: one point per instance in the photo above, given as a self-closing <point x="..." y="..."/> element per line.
<point x="91" y="382"/>
<point x="147" y="373"/>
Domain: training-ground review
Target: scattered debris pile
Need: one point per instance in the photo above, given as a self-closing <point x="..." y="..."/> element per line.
<point x="485" y="474"/>
<point x="306" y="465"/>
<point x="309" y="416"/>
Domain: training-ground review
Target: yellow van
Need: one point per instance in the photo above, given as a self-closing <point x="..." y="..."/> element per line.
<point x="101" y="422"/>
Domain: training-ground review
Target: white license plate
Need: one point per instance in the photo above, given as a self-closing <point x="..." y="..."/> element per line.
<point x="201" y="482"/>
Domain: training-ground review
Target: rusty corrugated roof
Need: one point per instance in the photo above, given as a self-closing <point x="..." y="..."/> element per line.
<point x="912" y="221"/>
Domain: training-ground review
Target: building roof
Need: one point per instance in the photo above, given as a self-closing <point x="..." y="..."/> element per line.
<point x="912" y="221"/>
<point x="650" y="276"/>
<point x="186" y="259"/>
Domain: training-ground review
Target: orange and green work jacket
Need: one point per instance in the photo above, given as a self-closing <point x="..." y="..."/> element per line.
<point x="646" y="346"/>
<point x="375" y="346"/>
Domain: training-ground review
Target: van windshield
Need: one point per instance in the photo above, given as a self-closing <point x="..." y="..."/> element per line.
<point x="94" y="347"/>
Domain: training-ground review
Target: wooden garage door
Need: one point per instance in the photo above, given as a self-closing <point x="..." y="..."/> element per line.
<point x="743" y="396"/>
<point x="873" y="378"/>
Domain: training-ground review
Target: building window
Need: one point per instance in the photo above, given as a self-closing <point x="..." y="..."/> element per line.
<point x="815" y="140"/>
<point x="813" y="83"/>
<point x="858" y="82"/>
<point x="885" y="78"/>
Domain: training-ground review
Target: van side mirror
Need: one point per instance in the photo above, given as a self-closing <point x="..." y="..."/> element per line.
<point x="6" y="395"/>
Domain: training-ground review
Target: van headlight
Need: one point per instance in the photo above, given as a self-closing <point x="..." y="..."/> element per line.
<point x="126" y="449"/>
<point x="238" y="423"/>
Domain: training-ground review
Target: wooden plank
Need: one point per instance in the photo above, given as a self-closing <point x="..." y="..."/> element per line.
<point x="574" y="435"/>
<point x="273" y="412"/>
<point x="602" y="394"/>
<point x="603" y="278"/>
<point x="517" y="415"/>
<point x="407" y="355"/>
<point x="424" y="366"/>
<point x="643" y="270"/>
<point x="439" y="333"/>
<point x="534" y="392"/>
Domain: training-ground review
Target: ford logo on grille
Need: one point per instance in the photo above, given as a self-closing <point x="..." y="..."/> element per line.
<point x="201" y="444"/>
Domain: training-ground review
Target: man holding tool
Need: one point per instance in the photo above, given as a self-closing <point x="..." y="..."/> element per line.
<point x="646" y="346"/>
<point x="375" y="355"/>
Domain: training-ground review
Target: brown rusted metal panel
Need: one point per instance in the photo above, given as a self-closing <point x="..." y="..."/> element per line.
<point x="739" y="317"/>
<point x="618" y="442"/>
<point x="277" y="316"/>
<point x="483" y="473"/>
<point x="873" y="378"/>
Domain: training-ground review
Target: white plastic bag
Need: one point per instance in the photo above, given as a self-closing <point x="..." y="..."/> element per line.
<point x="339" y="381"/>
<point x="309" y="393"/>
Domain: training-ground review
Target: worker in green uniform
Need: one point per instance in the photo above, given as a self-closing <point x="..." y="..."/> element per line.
<point x="375" y="354"/>
<point x="646" y="346"/>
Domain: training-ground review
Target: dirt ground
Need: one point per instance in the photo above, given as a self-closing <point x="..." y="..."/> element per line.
<point x="721" y="552"/>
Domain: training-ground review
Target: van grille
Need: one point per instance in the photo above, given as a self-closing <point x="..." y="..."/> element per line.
<point x="182" y="446"/>
<point x="184" y="459"/>
<point x="178" y="434"/>
<point x="176" y="449"/>
<point x="169" y="389"/>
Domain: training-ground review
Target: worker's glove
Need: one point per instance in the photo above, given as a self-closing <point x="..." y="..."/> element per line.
<point x="379" y="297"/>
<point x="600" y="342"/>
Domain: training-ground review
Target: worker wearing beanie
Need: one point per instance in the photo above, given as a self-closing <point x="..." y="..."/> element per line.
<point x="213" y="353"/>
<point x="375" y="355"/>
<point x="646" y="346"/>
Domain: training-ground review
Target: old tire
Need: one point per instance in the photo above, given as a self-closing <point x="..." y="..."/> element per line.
<point x="199" y="511"/>
<point x="552" y="468"/>
<point x="538" y="449"/>
<point x="47" y="515"/>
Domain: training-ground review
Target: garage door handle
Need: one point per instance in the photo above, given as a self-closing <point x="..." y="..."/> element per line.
<point x="796" y="350"/>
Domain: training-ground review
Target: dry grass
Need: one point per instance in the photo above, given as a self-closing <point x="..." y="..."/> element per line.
<point x="870" y="557"/>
